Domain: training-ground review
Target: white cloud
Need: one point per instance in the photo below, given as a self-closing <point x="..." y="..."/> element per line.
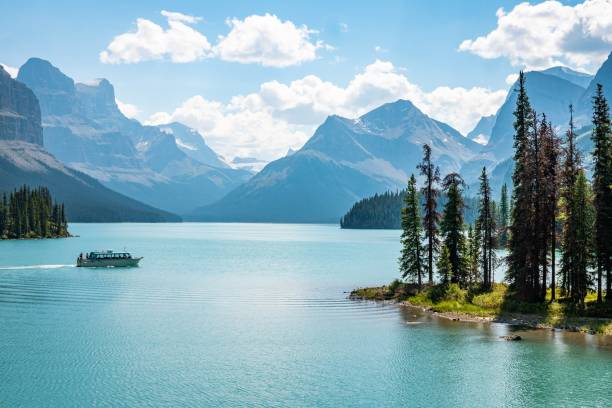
<point x="378" y="48"/>
<point x="185" y="18"/>
<point x="12" y="71"/>
<point x="258" y="39"/>
<point x="128" y="110"/>
<point x="549" y="33"/>
<point x="344" y="27"/>
<point x="264" y="124"/>
<point x="179" y="42"/>
<point x="511" y="79"/>
<point x="268" y="41"/>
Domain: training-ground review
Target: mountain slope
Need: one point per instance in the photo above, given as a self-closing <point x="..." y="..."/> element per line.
<point x="548" y="94"/>
<point x="84" y="128"/>
<point x="482" y="131"/>
<point x="578" y="78"/>
<point x="345" y="160"/>
<point x="23" y="160"/>
<point x="86" y="200"/>
<point x="603" y="76"/>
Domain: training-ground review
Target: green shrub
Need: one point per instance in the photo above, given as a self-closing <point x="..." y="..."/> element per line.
<point x="393" y="286"/>
<point x="451" y="292"/>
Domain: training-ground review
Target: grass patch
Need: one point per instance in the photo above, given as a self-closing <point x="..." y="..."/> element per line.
<point x="498" y="302"/>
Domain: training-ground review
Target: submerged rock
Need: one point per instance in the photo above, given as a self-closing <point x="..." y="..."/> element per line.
<point x="512" y="337"/>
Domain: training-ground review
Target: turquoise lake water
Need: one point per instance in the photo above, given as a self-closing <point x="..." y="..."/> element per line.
<point x="257" y="315"/>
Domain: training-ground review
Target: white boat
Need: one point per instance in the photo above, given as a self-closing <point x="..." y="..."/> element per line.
<point x="97" y="259"/>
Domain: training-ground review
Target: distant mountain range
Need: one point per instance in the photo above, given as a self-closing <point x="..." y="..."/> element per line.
<point x="550" y="91"/>
<point x="171" y="166"/>
<point x="344" y="161"/>
<point x="168" y="166"/>
<point x="23" y="160"/>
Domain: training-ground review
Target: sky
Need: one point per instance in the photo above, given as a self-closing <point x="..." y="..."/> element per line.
<point x="257" y="78"/>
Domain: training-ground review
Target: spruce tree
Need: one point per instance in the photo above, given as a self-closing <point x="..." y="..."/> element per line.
<point x="411" y="263"/>
<point x="572" y="164"/>
<point x="473" y="256"/>
<point x="520" y="232"/>
<point x="583" y="217"/>
<point x="451" y="227"/>
<point x="431" y="217"/>
<point x="444" y="265"/>
<point x="602" y="186"/>
<point x="486" y="228"/>
<point x="550" y="152"/>
<point x="503" y="216"/>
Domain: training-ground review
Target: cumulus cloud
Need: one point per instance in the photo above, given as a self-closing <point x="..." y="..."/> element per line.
<point x="12" y="71"/>
<point x="179" y="42"/>
<point x="258" y="39"/>
<point x="268" y="41"/>
<point x="549" y="33"/>
<point x="278" y="116"/>
<point x="128" y="110"/>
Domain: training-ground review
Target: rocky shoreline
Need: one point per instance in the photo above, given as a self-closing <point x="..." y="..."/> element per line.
<point x="532" y="321"/>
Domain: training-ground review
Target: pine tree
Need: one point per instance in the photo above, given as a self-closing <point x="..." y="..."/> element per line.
<point x="583" y="217"/>
<point x="503" y="216"/>
<point x="550" y="152"/>
<point x="411" y="265"/>
<point x="473" y="255"/>
<point x="451" y="227"/>
<point x="430" y="214"/>
<point x="444" y="265"/>
<point x="518" y="273"/>
<point x="486" y="228"/>
<point x="602" y="186"/>
<point x="572" y="164"/>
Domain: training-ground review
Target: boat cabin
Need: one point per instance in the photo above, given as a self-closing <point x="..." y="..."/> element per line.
<point x="109" y="255"/>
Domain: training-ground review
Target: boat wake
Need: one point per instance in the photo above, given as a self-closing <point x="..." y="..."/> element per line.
<point x="10" y="268"/>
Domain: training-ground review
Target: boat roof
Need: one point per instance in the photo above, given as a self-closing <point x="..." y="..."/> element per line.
<point x="107" y="252"/>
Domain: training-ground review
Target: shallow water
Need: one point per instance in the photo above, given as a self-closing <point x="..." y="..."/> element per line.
<point x="257" y="315"/>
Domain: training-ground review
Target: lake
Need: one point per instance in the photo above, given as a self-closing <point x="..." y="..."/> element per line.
<point x="257" y="315"/>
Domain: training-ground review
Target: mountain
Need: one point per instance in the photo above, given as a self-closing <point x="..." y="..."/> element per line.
<point x="19" y="111"/>
<point x="581" y="79"/>
<point x="168" y="166"/>
<point x="345" y="160"/>
<point x="190" y="142"/>
<point x="549" y="94"/>
<point x="23" y="160"/>
<point x="482" y="131"/>
<point x="603" y="76"/>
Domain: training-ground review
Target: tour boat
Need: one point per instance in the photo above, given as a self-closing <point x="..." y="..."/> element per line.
<point x="106" y="259"/>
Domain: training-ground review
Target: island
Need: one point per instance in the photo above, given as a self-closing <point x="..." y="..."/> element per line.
<point x="28" y="213"/>
<point x="555" y="232"/>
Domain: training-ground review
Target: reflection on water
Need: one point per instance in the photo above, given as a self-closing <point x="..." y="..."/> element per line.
<point x="239" y="314"/>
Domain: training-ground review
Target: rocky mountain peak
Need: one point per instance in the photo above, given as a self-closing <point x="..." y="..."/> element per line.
<point x="54" y="89"/>
<point x="19" y="111"/>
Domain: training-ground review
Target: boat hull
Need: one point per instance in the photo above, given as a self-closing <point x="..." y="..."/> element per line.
<point x="108" y="263"/>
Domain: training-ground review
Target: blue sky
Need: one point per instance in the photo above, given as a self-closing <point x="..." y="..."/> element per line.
<point x="411" y="47"/>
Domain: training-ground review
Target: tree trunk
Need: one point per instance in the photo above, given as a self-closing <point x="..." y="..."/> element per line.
<point x="599" y="276"/>
<point x="553" y="239"/>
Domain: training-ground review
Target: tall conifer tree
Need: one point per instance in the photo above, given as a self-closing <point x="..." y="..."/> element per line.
<point x="451" y="227"/>
<point x="602" y="186"/>
<point x="520" y="231"/>
<point x="411" y="262"/>
<point x="431" y="217"/>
